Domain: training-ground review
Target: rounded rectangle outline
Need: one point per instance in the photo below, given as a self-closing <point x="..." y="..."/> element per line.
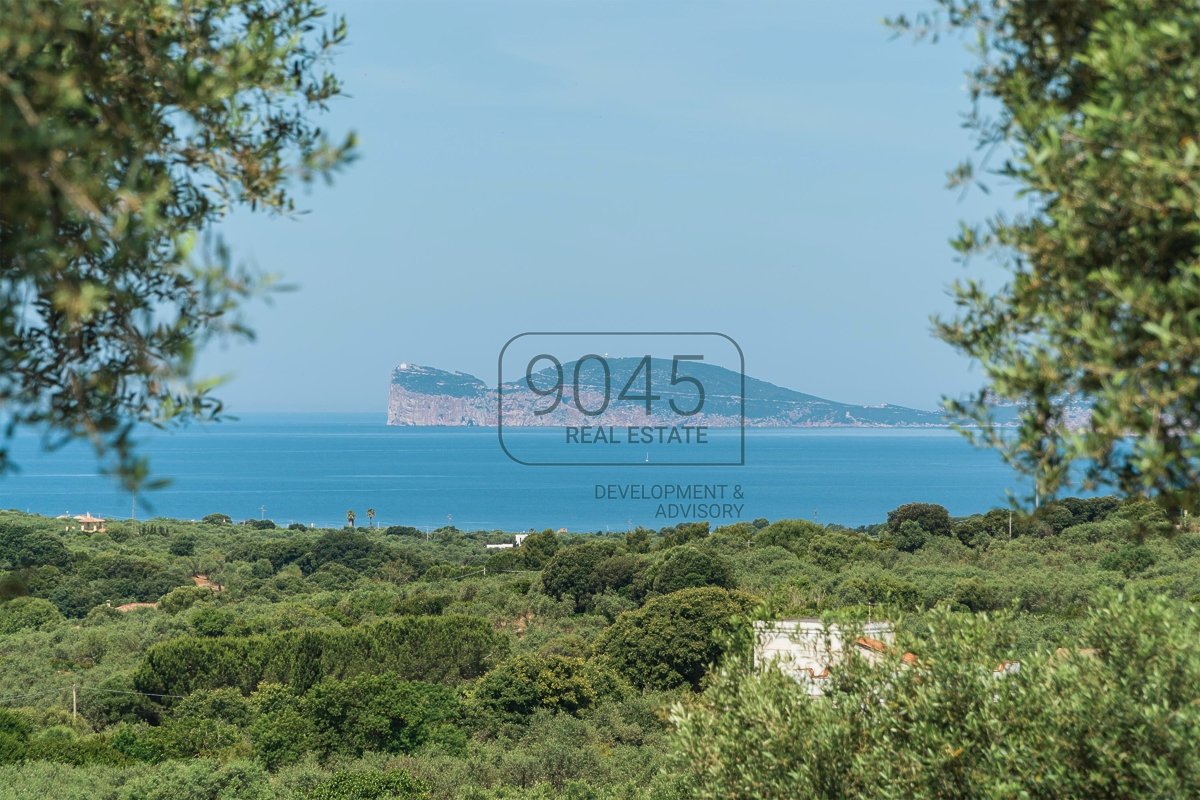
<point x="742" y="396"/>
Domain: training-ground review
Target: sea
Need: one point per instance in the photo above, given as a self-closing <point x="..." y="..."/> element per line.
<point x="313" y="468"/>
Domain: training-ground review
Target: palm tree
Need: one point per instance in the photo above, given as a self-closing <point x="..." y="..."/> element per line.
<point x="371" y="516"/>
<point x="350" y="518"/>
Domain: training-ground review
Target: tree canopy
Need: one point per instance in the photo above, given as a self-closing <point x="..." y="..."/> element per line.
<point x="127" y="129"/>
<point x="1091" y="108"/>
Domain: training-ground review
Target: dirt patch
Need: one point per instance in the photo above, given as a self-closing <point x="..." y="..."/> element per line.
<point x="518" y="625"/>
<point x="204" y="582"/>
<point x="125" y="609"/>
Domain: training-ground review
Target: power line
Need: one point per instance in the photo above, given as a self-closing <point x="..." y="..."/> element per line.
<point x="77" y="688"/>
<point x="30" y="694"/>
<point x="126" y="691"/>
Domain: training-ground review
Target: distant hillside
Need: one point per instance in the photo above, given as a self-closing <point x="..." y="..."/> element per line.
<point x="422" y="395"/>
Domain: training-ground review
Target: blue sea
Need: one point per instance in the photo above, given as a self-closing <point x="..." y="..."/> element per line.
<point x="312" y="468"/>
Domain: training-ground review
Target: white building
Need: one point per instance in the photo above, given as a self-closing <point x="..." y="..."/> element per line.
<point x="85" y="522"/>
<point x="516" y="542"/>
<point x="806" y="649"/>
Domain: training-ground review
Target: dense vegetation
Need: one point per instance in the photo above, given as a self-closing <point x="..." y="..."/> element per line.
<point x="1086" y="112"/>
<point x="388" y="663"/>
<point x="138" y="125"/>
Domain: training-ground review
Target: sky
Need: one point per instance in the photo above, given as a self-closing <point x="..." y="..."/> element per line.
<point x="771" y="170"/>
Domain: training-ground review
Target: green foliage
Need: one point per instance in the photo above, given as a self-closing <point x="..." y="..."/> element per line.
<point x="1092" y="106"/>
<point x="933" y="519"/>
<point x="209" y="620"/>
<point x="183" y="545"/>
<point x="867" y="584"/>
<point x="139" y="125"/>
<point x="910" y="537"/>
<point x="367" y="786"/>
<point x="682" y="533"/>
<point x="687" y="567"/>
<point x="21" y="547"/>
<point x="445" y="649"/>
<point x="572" y="572"/>
<point x="298" y="671"/>
<point x="672" y="640"/>
<point x="638" y="540"/>
<point x="23" y="613"/>
<point x="515" y="689"/>
<point x="539" y="548"/>
<point x="356" y="551"/>
<point x="201" y="779"/>
<point x="793" y="534"/>
<point x="1130" y="560"/>
<point x="183" y="598"/>
<point x="378" y="713"/>
<point x="1104" y="724"/>
<point x="1146" y="518"/>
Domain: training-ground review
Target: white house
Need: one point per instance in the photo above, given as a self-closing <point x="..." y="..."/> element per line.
<point x="516" y="542"/>
<point x="806" y="649"/>
<point x="87" y="523"/>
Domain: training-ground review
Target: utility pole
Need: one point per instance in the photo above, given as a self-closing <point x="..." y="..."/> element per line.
<point x="262" y="512"/>
<point x="1010" y="523"/>
<point x="74" y="703"/>
<point x="133" y="505"/>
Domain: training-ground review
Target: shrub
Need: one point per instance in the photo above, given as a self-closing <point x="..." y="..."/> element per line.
<point x="682" y="533"/>
<point x="446" y="649"/>
<point x="183" y="545"/>
<point x="378" y="713"/>
<point x="356" y="551"/>
<point x="1106" y="724"/>
<point x="794" y="534"/>
<point x="183" y="598"/>
<point x="24" y="613"/>
<point x="687" y="567"/>
<point x="933" y="518"/>
<point x="1130" y="560"/>
<point x="673" y="639"/>
<point x="572" y="572"/>
<point x="515" y="689"/>
<point x="538" y="548"/>
<point x="366" y="786"/>
<point x="910" y="537"/>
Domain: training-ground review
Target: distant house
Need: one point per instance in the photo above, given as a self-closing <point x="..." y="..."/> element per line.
<point x="87" y="523"/>
<point x="806" y="649"/>
<point x="517" y="539"/>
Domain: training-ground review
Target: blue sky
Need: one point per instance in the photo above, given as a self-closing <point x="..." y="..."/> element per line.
<point x="771" y="170"/>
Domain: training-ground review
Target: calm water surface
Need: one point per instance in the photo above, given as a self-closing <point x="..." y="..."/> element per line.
<point x="311" y="468"/>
